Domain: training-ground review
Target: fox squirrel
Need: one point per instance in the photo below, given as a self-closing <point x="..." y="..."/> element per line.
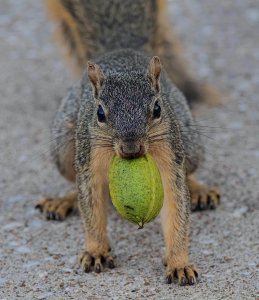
<point x="126" y="104"/>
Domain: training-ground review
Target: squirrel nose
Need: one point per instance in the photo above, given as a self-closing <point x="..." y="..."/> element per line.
<point x="131" y="150"/>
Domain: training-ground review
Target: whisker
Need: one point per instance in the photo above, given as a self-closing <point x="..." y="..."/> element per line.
<point x="199" y="133"/>
<point x="158" y="135"/>
<point x="101" y="139"/>
<point x="42" y="154"/>
<point x="156" y="140"/>
<point x="102" y="145"/>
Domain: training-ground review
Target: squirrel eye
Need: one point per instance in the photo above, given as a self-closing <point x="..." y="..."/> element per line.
<point x="101" y="115"/>
<point x="157" y="111"/>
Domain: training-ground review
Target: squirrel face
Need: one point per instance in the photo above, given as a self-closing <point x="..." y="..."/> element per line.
<point x="128" y="107"/>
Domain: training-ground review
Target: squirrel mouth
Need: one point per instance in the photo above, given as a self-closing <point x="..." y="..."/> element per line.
<point x="132" y="153"/>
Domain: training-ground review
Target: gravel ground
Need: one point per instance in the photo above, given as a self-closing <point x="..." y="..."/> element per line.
<point x="38" y="258"/>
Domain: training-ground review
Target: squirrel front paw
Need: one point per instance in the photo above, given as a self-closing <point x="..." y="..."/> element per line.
<point x="204" y="198"/>
<point x="57" y="208"/>
<point x="185" y="274"/>
<point x="178" y="268"/>
<point x="96" y="261"/>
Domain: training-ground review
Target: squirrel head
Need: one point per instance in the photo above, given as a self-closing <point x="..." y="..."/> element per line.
<point x="129" y="108"/>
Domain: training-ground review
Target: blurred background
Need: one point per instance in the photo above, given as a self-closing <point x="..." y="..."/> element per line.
<point x="37" y="258"/>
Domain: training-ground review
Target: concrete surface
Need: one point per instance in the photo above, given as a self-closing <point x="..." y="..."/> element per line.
<point x="37" y="258"/>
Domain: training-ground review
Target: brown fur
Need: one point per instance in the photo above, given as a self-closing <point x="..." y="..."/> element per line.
<point x="96" y="240"/>
<point x="66" y="161"/>
<point x="174" y="216"/>
<point x="100" y="160"/>
<point x="75" y="51"/>
<point x="95" y="76"/>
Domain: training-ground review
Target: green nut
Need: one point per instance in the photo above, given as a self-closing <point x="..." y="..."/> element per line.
<point x="136" y="188"/>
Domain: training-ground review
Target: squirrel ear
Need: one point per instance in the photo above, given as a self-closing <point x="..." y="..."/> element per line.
<point x="96" y="77"/>
<point x="154" y="70"/>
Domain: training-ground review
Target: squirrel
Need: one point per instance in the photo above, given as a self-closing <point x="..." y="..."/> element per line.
<point x="127" y="104"/>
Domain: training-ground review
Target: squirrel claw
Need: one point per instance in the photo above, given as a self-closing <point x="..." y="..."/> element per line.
<point x="95" y="263"/>
<point x="202" y="197"/>
<point x="185" y="276"/>
<point x="205" y="198"/>
<point x="56" y="208"/>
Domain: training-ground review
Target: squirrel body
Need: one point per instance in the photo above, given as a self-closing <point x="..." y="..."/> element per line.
<point x="126" y="105"/>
